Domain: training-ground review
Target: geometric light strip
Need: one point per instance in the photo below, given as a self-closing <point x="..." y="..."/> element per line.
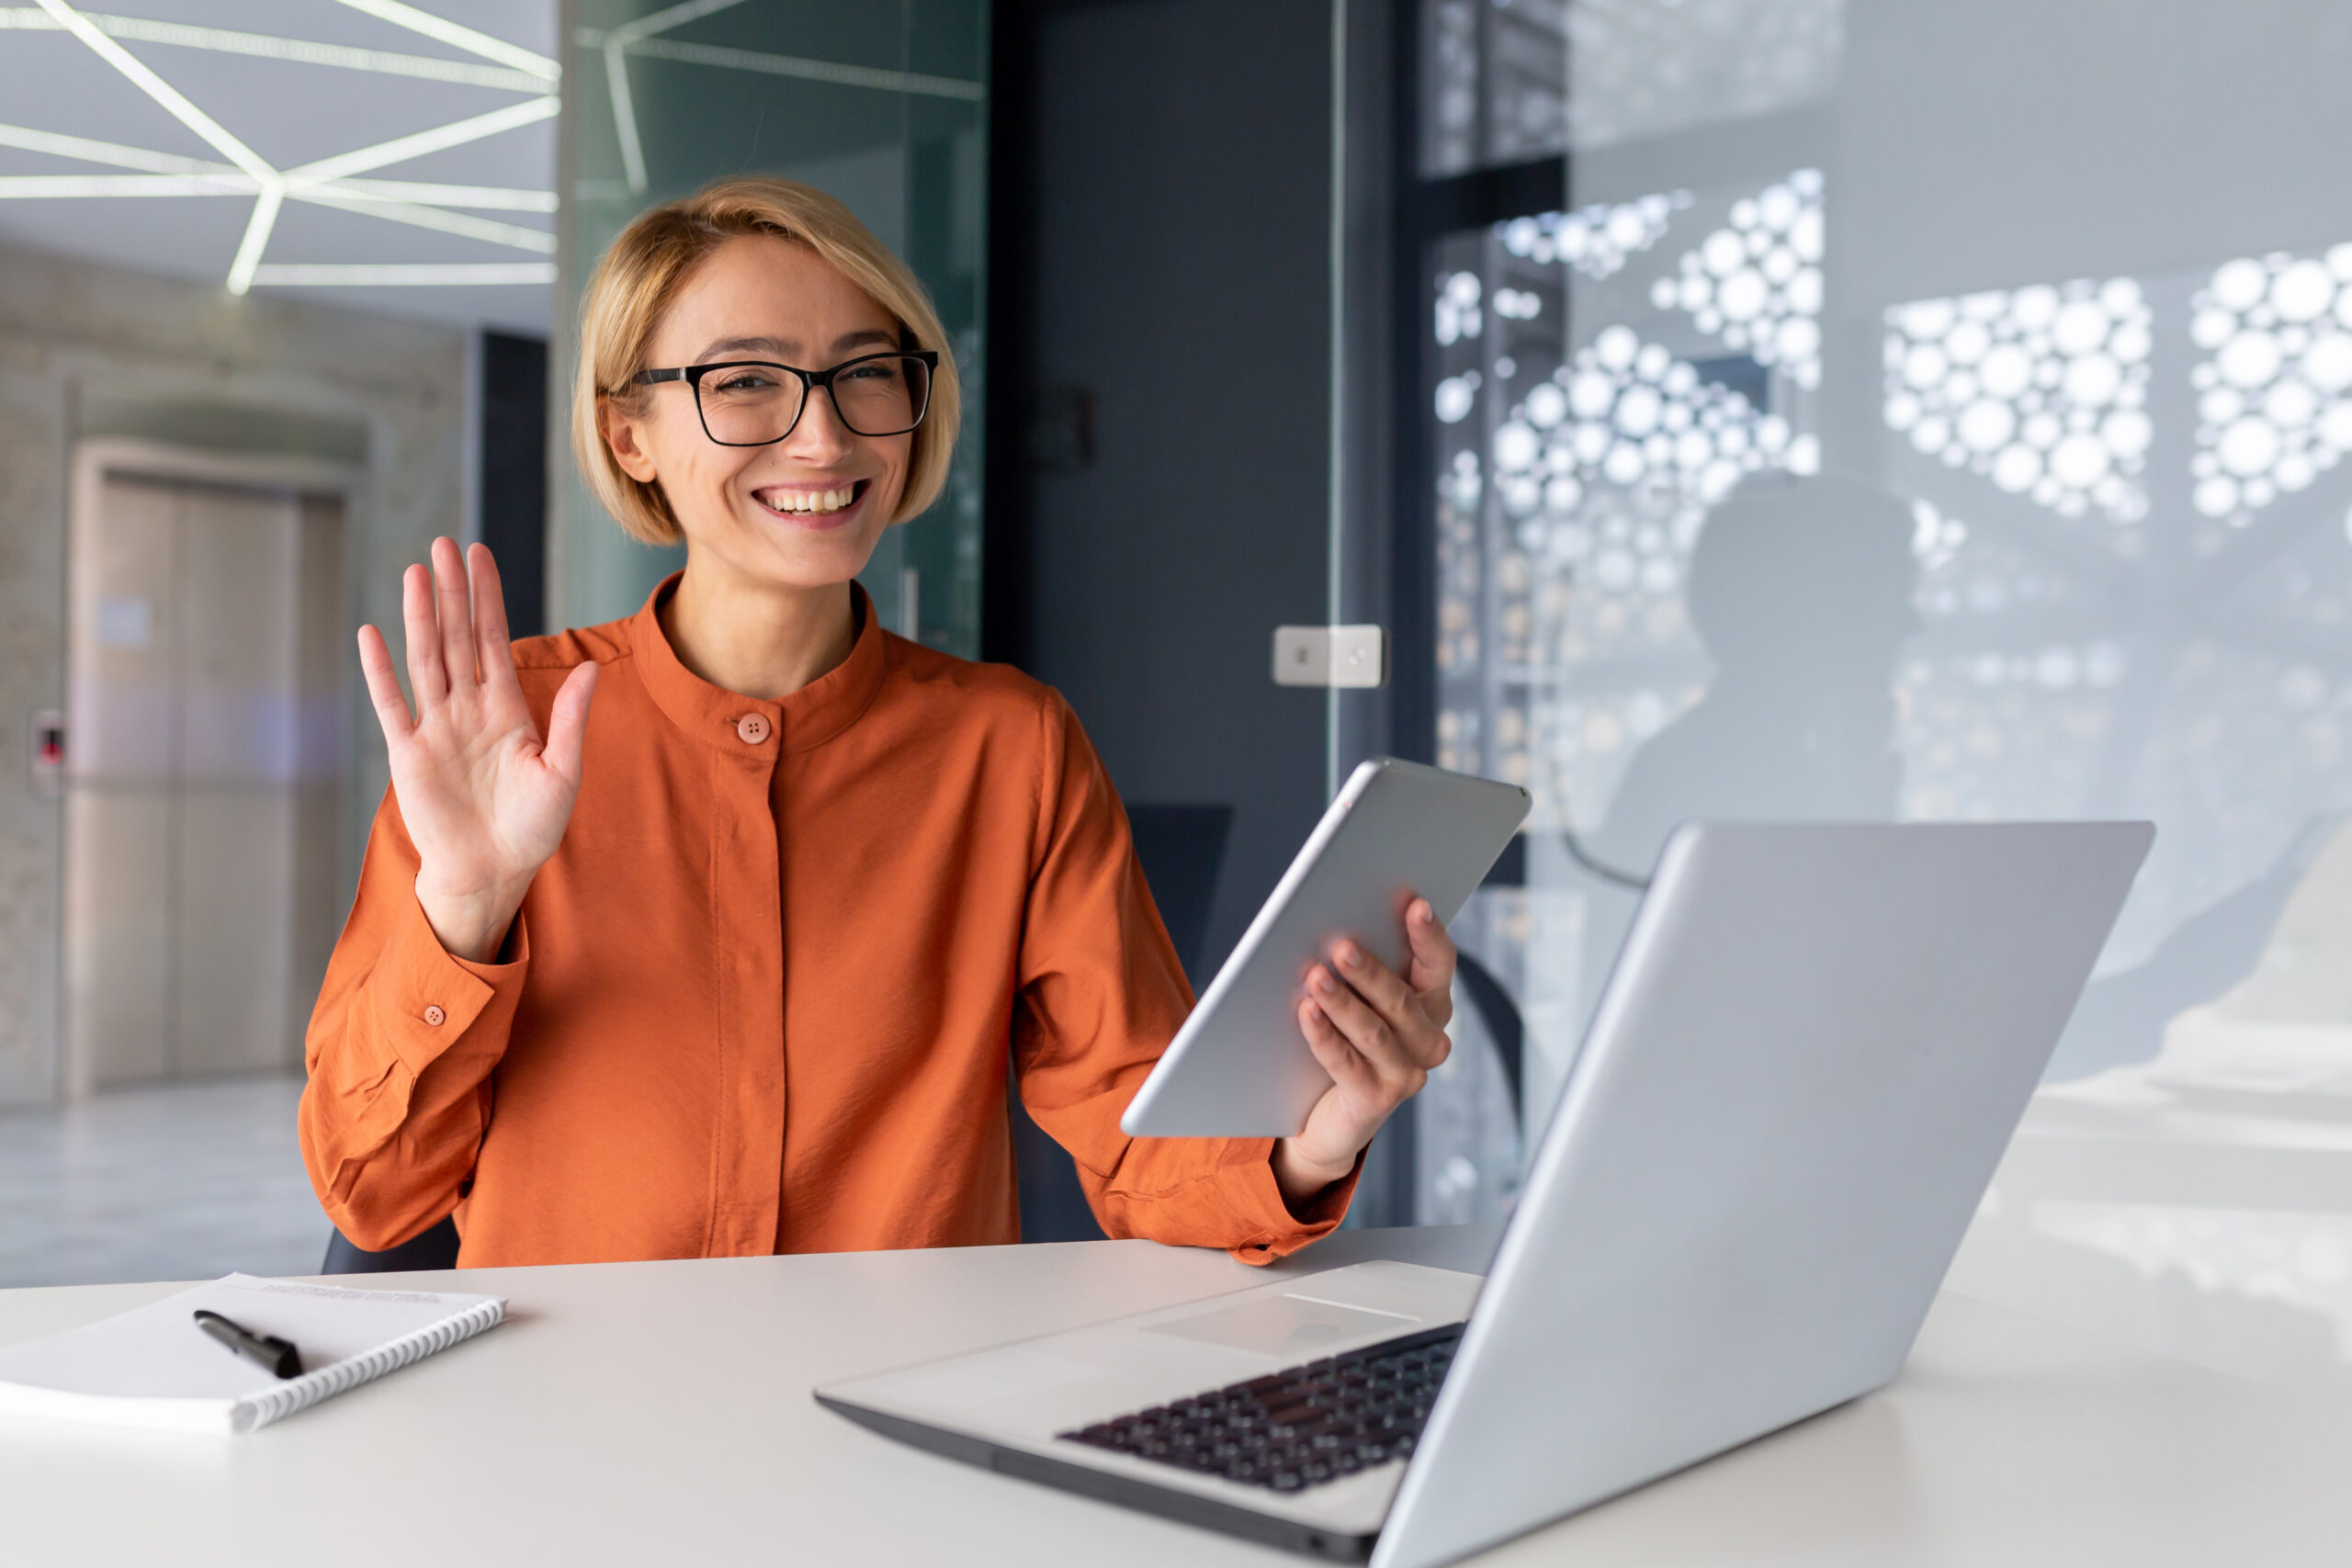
<point x="173" y="102"/>
<point x="314" y="181"/>
<point x="426" y="275"/>
<point x="273" y="189"/>
<point x="400" y="201"/>
<point x="500" y="198"/>
<point x="432" y="218"/>
<point x="29" y="188"/>
<point x="53" y="187"/>
<point x="139" y="30"/>
<point x="113" y="153"/>
<point x="438" y="138"/>
<point x="443" y="30"/>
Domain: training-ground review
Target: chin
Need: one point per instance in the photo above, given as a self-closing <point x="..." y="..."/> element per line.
<point x="812" y="557"/>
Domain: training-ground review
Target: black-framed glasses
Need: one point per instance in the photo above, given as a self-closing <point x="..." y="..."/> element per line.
<point x="756" y="402"/>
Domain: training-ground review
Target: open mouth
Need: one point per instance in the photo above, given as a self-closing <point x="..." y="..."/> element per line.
<point x="787" y="503"/>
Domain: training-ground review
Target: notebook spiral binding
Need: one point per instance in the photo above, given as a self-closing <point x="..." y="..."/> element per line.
<point x="301" y="1394"/>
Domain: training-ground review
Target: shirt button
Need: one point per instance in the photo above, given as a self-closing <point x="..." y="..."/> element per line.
<point x="752" y="728"/>
<point x="435" y="1016"/>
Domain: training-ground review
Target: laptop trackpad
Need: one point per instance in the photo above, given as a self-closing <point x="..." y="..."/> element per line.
<point x="1289" y="1325"/>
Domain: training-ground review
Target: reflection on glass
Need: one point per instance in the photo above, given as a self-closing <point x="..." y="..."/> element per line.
<point x="1576" y="471"/>
<point x="1642" y="68"/>
<point x="1494" y="83"/>
<point x="1720" y="530"/>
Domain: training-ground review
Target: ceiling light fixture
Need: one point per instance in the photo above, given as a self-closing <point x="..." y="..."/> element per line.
<point x="400" y="201"/>
<point x="443" y="30"/>
<point x="494" y="198"/>
<point x="29" y="188"/>
<point x="262" y="46"/>
<point x="112" y="152"/>
<point x="403" y="147"/>
<point x="496" y="234"/>
<point x="405" y="275"/>
<point x="316" y="182"/>
<point x="273" y="187"/>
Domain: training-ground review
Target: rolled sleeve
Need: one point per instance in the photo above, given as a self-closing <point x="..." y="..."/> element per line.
<point x="399" y="1053"/>
<point x="1103" y="996"/>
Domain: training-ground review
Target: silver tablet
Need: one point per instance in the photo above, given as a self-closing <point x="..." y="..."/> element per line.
<point x="1239" y="1067"/>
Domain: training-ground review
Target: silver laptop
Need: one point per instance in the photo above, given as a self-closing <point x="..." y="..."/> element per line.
<point x="1812" y="1051"/>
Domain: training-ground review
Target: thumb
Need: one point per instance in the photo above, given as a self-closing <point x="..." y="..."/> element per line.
<point x="568" y="722"/>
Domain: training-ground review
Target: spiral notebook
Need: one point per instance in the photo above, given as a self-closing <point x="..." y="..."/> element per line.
<point x="153" y="1367"/>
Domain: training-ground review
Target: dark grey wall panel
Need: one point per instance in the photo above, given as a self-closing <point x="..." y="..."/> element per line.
<point x="1181" y="201"/>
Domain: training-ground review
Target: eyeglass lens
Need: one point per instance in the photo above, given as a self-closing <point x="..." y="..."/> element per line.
<point x="750" y="406"/>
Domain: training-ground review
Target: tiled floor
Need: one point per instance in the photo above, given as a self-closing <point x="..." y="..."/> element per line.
<point x="184" y="1182"/>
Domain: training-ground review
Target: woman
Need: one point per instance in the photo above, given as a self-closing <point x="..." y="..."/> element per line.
<point x="732" y="969"/>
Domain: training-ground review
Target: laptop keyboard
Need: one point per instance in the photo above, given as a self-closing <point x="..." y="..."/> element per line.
<point x="1295" y="1429"/>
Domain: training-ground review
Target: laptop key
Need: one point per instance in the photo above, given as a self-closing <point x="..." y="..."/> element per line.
<point x="1289" y="1430"/>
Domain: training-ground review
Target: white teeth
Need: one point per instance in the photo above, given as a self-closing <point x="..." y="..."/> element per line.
<point x="809" y="501"/>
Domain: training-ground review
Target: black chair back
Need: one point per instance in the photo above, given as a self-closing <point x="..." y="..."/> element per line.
<point x="434" y="1249"/>
<point x="1181" y="849"/>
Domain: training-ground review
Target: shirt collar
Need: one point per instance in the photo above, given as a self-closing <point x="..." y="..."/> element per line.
<point x="808" y="718"/>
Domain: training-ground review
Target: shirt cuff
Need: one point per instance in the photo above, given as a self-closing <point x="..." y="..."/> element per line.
<point x="426" y="997"/>
<point x="1272" y="1230"/>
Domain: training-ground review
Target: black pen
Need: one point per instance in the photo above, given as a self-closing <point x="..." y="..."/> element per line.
<point x="278" y="1355"/>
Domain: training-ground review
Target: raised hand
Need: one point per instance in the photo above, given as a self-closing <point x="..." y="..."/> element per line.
<point x="484" y="798"/>
<point x="1377" y="1034"/>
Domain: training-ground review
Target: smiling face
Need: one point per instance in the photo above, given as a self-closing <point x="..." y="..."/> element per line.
<point x="806" y="511"/>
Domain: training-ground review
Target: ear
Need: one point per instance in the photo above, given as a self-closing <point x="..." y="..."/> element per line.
<point x="624" y="435"/>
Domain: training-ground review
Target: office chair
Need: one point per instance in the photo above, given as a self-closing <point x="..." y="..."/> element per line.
<point x="1181" y="849"/>
<point x="432" y="1248"/>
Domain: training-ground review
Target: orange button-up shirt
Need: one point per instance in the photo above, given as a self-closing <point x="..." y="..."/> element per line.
<point x="762" y="998"/>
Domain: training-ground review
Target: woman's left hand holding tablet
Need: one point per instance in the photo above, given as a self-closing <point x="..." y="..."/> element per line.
<point x="1378" y="1033"/>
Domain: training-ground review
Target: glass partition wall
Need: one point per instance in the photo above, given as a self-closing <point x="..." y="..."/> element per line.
<point x="1928" y="412"/>
<point x="885" y="106"/>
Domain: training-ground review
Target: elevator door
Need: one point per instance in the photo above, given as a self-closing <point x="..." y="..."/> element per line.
<point x="205" y="763"/>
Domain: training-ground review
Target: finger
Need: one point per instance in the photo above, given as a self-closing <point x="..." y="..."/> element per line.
<point x="383" y="686"/>
<point x="427" y="678"/>
<point x="456" y="611"/>
<point x="1372" y="980"/>
<point x="1372" y="1036"/>
<point x="1338" y="1058"/>
<point x="1419" y="1020"/>
<point x="568" y="721"/>
<point x="494" y="644"/>
<point x="1432" y="965"/>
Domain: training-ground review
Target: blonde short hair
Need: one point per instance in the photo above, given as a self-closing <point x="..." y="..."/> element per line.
<point x="641" y="272"/>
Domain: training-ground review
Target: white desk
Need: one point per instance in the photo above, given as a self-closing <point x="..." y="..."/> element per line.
<point x="659" y="1413"/>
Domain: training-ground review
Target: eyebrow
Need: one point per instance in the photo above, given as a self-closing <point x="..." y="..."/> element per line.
<point x="782" y="348"/>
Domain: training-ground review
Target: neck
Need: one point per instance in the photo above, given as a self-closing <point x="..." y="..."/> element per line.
<point x="757" y="640"/>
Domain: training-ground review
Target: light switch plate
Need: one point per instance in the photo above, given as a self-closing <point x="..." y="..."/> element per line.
<point x="1353" y="657"/>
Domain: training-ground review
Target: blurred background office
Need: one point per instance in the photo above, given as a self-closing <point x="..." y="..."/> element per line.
<point x="1741" y="408"/>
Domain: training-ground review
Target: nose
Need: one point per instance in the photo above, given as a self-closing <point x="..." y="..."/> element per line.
<point x="820" y="438"/>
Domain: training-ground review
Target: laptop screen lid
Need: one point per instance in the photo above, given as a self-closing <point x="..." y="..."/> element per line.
<point x="1806" y="1063"/>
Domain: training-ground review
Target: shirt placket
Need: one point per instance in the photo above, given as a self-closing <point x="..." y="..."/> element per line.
<point x="747" y="923"/>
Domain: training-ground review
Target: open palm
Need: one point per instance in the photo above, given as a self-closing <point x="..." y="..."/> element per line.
<point x="484" y="796"/>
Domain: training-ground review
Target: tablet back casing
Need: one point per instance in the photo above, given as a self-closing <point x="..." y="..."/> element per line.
<point x="1239" y="1067"/>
